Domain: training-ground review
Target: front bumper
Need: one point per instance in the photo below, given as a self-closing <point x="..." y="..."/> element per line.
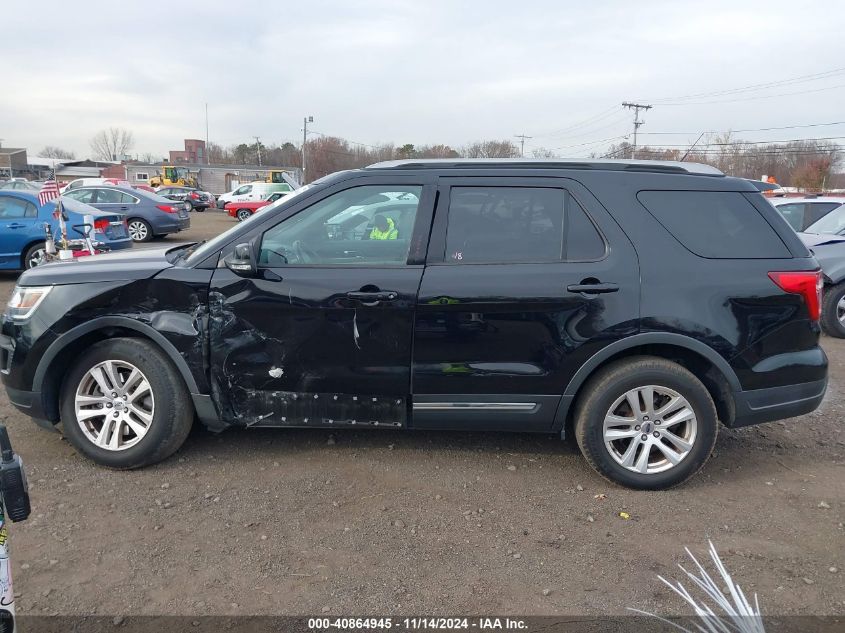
<point x="30" y="403"/>
<point x="777" y="403"/>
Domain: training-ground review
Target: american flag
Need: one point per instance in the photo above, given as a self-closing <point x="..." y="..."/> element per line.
<point x="50" y="190"/>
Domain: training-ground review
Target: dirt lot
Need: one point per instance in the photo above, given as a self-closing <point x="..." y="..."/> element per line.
<point x="311" y="522"/>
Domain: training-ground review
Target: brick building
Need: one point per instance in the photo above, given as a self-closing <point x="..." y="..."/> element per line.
<point x="194" y="152"/>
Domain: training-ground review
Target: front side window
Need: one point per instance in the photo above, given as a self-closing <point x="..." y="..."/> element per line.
<point x="367" y="225"/>
<point x="518" y="225"/>
<point x="243" y="190"/>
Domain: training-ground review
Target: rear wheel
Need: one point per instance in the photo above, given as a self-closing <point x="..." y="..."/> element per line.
<point x="124" y="405"/>
<point x="646" y="423"/>
<point x="243" y="214"/>
<point x="139" y="230"/>
<point x="833" y="311"/>
<point x="35" y="256"/>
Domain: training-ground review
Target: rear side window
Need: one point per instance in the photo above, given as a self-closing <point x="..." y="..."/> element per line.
<point x="820" y="209"/>
<point x="715" y="224"/>
<point x="518" y="225"/>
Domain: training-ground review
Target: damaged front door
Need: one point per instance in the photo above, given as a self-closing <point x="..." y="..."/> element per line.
<point x="322" y="335"/>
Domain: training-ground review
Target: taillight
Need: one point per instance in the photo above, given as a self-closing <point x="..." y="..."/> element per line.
<point x="195" y="195"/>
<point x="808" y="284"/>
<point x="167" y="208"/>
<point x="100" y="226"/>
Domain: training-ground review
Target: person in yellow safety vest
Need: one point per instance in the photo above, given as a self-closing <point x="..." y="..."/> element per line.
<point x="384" y="229"/>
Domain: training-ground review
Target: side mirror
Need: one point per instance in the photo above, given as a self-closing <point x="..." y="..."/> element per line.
<point x="242" y="261"/>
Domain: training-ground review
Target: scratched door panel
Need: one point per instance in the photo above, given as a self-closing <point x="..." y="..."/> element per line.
<point x="290" y="348"/>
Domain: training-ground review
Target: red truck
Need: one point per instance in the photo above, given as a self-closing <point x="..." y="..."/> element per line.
<point x="243" y="210"/>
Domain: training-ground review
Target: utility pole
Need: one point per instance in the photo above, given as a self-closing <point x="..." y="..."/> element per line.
<point x="522" y="138"/>
<point x="258" y="148"/>
<point x="636" y="107"/>
<point x="207" y="160"/>
<point x="305" y="121"/>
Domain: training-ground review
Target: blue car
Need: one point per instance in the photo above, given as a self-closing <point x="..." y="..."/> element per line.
<point x="22" y="222"/>
<point x="148" y="215"/>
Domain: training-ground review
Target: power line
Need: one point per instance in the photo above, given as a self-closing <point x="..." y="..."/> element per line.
<point x="762" y="86"/>
<point x="782" y="94"/>
<point x="593" y="119"/>
<point x="758" y="129"/>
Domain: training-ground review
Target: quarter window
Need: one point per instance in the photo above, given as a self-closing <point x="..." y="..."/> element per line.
<point x="369" y="225"/>
<point x="518" y="225"/>
<point x="715" y="224"/>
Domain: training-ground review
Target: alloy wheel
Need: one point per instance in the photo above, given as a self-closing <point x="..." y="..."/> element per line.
<point x="138" y="231"/>
<point x="36" y="258"/>
<point x="650" y="429"/>
<point x="243" y="214"/>
<point x="114" y="405"/>
<point x="840" y="310"/>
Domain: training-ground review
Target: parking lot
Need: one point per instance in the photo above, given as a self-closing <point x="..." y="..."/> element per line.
<point x="312" y="521"/>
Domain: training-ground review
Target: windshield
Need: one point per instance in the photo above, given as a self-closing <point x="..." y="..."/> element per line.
<point x="216" y="243"/>
<point x="833" y="222"/>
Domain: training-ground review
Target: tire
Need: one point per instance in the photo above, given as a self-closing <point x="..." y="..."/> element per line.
<point x="140" y="230"/>
<point x="833" y="311"/>
<point x="243" y="214"/>
<point x="151" y="426"/>
<point x="34" y="256"/>
<point x="190" y="206"/>
<point x="610" y="386"/>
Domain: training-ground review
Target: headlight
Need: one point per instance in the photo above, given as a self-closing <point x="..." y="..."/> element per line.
<point x="25" y="300"/>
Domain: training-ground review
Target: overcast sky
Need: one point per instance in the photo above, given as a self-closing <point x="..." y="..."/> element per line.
<point x="417" y="71"/>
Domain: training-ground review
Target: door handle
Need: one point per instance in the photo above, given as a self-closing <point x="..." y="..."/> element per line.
<point x="16" y="225"/>
<point x="593" y="288"/>
<point x="124" y="208"/>
<point x="372" y="297"/>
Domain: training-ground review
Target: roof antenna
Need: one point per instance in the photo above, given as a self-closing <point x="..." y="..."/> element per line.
<point x="691" y="146"/>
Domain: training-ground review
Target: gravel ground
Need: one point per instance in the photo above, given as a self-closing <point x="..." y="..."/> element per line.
<point x="369" y="522"/>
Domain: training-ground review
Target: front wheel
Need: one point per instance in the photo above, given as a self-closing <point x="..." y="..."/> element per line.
<point x="139" y="230"/>
<point x="124" y="405"/>
<point x="833" y="311"/>
<point x="646" y="423"/>
<point x="243" y="214"/>
<point x="35" y="256"/>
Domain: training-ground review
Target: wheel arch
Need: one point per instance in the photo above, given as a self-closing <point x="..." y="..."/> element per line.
<point x="55" y="360"/>
<point x="702" y="360"/>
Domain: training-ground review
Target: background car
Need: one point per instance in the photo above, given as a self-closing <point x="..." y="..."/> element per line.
<point x="242" y="210"/>
<point x="89" y="182"/>
<point x="252" y="192"/>
<point x="801" y="213"/>
<point x="22" y="222"/>
<point x="198" y="199"/>
<point x="148" y="215"/>
<point x="829" y="251"/>
<point x="20" y="185"/>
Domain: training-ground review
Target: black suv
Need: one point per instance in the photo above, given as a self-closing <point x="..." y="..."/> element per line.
<point x="632" y="304"/>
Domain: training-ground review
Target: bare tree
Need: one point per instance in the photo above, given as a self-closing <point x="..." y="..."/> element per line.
<point x="149" y="157"/>
<point x="51" y="151"/>
<point x="112" y="144"/>
<point x="491" y="149"/>
<point x="542" y="152"/>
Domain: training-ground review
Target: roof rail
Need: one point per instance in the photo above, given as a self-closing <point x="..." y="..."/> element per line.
<point x="657" y="166"/>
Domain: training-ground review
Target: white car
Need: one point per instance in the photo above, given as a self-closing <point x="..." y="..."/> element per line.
<point x="801" y="213"/>
<point x="252" y="192"/>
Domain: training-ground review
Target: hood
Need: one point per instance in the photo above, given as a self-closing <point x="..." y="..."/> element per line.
<point x="128" y="265"/>
<point x="819" y="239"/>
